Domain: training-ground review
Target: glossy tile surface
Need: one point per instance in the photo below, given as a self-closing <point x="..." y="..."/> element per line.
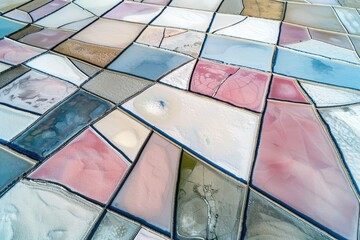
<point x="283" y="88"/>
<point x="318" y="42"/>
<point x="194" y="121"/>
<point x="201" y="4"/>
<point x="317" y="69"/>
<point x="178" y="40"/>
<point x="134" y="12"/>
<point x="180" y="77"/>
<point x="58" y="66"/>
<point x="180" y="119"/>
<point x="87" y="165"/>
<point x="184" y="18"/>
<point x="16" y="53"/>
<point x="322" y="17"/>
<point x="8" y="26"/>
<point x="14" y="121"/>
<point x="238" y="52"/>
<point x="262" y="30"/>
<point x="154" y="207"/>
<point x="344" y="124"/>
<point x="307" y="161"/>
<point x="124" y="132"/>
<point x="11" y="167"/>
<point x="47" y="9"/>
<point x="240" y="87"/>
<point x="61" y="124"/>
<point x="155" y="63"/>
<point x="115" y="87"/>
<point x="7" y="5"/>
<point x="320" y="93"/>
<point x="36" y="92"/>
<point x="110" y="33"/>
<point x="46" y="38"/>
<point x="43" y="211"/>
<point x="65" y="16"/>
<point x="98" y="7"/>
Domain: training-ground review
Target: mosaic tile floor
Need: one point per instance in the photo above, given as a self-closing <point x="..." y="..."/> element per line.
<point x="179" y="119"/>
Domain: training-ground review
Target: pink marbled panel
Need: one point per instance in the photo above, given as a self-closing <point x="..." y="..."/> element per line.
<point x="246" y="88"/>
<point x="293" y="34"/>
<point x="208" y="76"/>
<point x="149" y="191"/>
<point x="87" y="165"/>
<point x="283" y="88"/>
<point x="46" y="38"/>
<point x="142" y="13"/>
<point x="298" y="165"/>
<point x="16" y="53"/>
<point x="36" y="92"/>
<point x="47" y="9"/>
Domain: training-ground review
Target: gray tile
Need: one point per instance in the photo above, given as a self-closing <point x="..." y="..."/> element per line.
<point x="116" y="87"/>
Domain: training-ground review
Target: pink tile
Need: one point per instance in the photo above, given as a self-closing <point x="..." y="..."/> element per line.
<point x="246" y="88"/>
<point x="87" y="165"/>
<point x="208" y="76"/>
<point x="47" y="9"/>
<point x="149" y="191"/>
<point x="15" y="53"/>
<point x="293" y="34"/>
<point x="46" y="38"/>
<point x="283" y="88"/>
<point x="298" y="165"/>
<point x="142" y="13"/>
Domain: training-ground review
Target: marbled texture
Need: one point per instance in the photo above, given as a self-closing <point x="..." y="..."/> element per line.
<point x="11" y="167"/>
<point x="327" y="96"/>
<point x="36" y="92"/>
<point x="46" y="38"/>
<point x="87" y="165"/>
<point x="61" y="124"/>
<point x="344" y="124"/>
<point x="298" y="164"/>
<point x="283" y="88"/>
<point x="209" y="205"/>
<point x="15" y="53"/>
